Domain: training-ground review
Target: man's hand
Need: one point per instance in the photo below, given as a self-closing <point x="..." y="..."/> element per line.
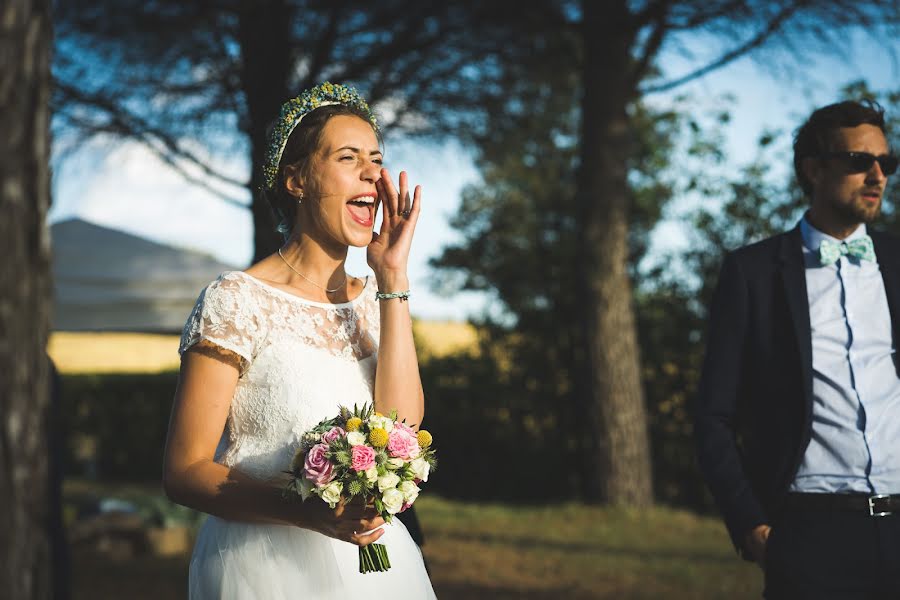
<point x="755" y="543"/>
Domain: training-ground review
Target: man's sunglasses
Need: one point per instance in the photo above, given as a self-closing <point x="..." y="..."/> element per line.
<point x="861" y="162"/>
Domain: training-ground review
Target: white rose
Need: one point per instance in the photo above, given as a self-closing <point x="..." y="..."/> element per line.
<point x="331" y="493"/>
<point x="372" y="474"/>
<point x="356" y="438"/>
<point x="388" y="481"/>
<point x="383" y="422"/>
<point x="393" y="501"/>
<point x="409" y="490"/>
<point x="395" y="463"/>
<point x="420" y="468"/>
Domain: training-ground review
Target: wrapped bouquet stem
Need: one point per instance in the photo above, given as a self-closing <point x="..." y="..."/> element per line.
<point x="361" y="455"/>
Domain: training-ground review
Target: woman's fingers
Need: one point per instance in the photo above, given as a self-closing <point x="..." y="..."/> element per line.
<point x="365" y="539"/>
<point x="371" y="522"/>
<point x="416" y="205"/>
<point x="390" y="194"/>
<point x="403" y="201"/>
<point x="397" y="203"/>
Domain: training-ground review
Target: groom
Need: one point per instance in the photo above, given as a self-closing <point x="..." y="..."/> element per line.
<point x="798" y="412"/>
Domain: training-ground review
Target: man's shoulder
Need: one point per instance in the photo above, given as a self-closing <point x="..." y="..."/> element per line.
<point x="884" y="237"/>
<point x="767" y="249"/>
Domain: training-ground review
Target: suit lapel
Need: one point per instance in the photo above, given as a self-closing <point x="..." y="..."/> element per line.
<point x="886" y="250"/>
<point x="793" y="278"/>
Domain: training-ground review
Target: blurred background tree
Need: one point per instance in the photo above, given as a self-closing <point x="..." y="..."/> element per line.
<point x="26" y="39"/>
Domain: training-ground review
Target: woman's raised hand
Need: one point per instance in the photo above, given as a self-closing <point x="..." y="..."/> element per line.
<point x="388" y="253"/>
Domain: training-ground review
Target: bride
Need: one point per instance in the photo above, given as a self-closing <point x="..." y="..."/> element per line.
<point x="269" y="352"/>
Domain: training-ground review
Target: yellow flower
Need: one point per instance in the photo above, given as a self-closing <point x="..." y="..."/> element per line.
<point x="378" y="437"/>
<point x="424" y="438"/>
<point x="353" y="423"/>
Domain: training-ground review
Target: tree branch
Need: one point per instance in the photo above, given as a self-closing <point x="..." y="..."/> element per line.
<point x="755" y="42"/>
<point x="659" y="17"/>
<point x="325" y="45"/>
<point x="128" y="124"/>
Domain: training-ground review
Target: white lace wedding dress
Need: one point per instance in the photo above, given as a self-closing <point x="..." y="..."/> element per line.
<point x="299" y="361"/>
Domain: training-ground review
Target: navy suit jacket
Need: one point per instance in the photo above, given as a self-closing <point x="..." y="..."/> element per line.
<point x="753" y="410"/>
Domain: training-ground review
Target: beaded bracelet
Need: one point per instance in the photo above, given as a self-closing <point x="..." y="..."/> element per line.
<point x="401" y="295"/>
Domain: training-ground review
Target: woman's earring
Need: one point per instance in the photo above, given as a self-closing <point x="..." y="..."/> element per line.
<point x="300" y="198"/>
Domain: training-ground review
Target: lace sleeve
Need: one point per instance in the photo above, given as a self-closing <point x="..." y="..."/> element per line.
<point x="225" y="315"/>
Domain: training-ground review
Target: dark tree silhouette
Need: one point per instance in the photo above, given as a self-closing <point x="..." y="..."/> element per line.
<point x="25" y="554"/>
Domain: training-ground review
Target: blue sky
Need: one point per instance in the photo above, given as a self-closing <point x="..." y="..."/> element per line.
<point x="127" y="188"/>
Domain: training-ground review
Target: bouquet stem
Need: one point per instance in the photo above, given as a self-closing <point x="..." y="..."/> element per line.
<point x="373" y="558"/>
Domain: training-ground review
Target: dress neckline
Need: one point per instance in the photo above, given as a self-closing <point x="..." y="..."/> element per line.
<point x="301" y="299"/>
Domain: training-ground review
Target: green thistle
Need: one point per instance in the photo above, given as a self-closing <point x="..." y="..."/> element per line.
<point x="342" y="457"/>
<point x="355" y="487"/>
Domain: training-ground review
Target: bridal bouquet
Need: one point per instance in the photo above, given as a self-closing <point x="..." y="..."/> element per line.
<point x="361" y="454"/>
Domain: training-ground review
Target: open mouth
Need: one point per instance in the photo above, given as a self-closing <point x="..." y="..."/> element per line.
<point x="362" y="209"/>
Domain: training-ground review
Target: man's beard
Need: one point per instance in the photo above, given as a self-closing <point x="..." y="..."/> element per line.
<point x="857" y="211"/>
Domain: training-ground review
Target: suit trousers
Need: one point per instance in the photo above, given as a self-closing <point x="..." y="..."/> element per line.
<point x="833" y="555"/>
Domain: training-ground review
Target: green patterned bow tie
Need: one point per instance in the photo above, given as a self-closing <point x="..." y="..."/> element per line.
<point x="861" y="247"/>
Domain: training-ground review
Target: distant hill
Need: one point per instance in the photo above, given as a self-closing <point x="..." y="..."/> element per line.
<point x="109" y="280"/>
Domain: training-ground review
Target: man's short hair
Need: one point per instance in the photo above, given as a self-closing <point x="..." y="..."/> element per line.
<point x="814" y="137"/>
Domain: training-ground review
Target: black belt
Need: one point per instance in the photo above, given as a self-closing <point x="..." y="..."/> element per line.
<point x="880" y="505"/>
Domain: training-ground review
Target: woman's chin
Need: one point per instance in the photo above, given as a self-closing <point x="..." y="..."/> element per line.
<point x="358" y="236"/>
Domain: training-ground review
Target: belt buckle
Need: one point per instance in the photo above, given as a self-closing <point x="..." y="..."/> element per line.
<point x="872" y="500"/>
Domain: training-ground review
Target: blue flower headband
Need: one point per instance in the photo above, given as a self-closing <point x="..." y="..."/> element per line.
<point x="293" y="111"/>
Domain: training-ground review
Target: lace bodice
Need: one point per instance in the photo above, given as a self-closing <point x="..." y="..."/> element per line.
<point x="300" y="360"/>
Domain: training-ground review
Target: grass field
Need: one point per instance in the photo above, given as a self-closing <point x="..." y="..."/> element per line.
<point x="114" y="352"/>
<point x="477" y="551"/>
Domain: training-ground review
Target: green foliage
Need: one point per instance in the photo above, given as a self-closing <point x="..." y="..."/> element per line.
<point x="116" y="424"/>
<point x="519" y="232"/>
<point x="519" y="229"/>
<point x="496" y="442"/>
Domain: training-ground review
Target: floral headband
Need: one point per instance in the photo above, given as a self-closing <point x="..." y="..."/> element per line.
<point x="293" y="111"/>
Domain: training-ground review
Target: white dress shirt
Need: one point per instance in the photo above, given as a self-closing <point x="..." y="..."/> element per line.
<point x="855" y="444"/>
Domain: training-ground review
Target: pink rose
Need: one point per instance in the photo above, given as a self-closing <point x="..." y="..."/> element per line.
<point x="402" y="442"/>
<point x="405" y="427"/>
<point x="335" y="433"/>
<point x="318" y="468"/>
<point x="362" y="458"/>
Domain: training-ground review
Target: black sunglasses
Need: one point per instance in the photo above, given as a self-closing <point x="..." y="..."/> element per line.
<point x="861" y="162"/>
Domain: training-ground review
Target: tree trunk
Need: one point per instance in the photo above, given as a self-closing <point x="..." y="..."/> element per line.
<point x="620" y="471"/>
<point x="26" y="40"/>
<point x="266" y="55"/>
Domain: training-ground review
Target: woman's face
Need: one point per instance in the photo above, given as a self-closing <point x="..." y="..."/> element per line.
<point x="338" y="205"/>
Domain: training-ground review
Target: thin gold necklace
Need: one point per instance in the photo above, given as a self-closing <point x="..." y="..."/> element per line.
<point x="321" y="287"/>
